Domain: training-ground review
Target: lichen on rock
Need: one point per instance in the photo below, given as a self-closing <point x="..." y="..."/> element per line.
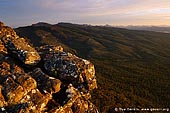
<point x="43" y="80"/>
<point x="18" y="47"/>
<point x="70" y="68"/>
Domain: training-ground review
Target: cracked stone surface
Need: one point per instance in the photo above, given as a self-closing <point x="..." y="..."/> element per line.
<point x="45" y="79"/>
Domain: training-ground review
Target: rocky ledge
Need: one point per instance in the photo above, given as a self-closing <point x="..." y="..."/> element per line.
<point x="42" y="80"/>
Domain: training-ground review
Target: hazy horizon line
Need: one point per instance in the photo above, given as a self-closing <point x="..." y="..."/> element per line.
<point x="111" y="25"/>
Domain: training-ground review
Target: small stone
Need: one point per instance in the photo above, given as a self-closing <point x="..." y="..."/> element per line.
<point x="3" y="109"/>
<point x="13" y="91"/>
<point x="45" y="82"/>
<point x="1" y="24"/>
<point x="27" y="82"/>
<point x="2" y="99"/>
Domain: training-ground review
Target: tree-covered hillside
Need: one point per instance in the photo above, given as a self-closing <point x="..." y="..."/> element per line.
<point x="132" y="67"/>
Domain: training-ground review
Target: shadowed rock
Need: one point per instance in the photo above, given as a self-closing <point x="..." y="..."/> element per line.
<point x="45" y="82"/>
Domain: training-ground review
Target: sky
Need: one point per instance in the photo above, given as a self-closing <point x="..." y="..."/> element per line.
<point x="17" y="13"/>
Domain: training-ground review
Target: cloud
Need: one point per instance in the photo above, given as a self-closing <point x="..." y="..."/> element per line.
<point x="102" y="7"/>
<point x="84" y="11"/>
<point x="129" y="6"/>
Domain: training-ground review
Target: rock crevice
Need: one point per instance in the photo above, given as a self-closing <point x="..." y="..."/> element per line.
<point x="45" y="79"/>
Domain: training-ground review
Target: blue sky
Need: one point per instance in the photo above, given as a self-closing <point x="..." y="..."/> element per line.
<point x="114" y="12"/>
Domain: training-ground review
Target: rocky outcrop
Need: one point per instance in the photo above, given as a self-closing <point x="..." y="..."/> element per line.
<point x="18" y="47"/>
<point x="45" y="79"/>
<point x="69" y="68"/>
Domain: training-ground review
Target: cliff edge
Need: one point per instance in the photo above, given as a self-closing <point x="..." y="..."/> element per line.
<point x="45" y="79"/>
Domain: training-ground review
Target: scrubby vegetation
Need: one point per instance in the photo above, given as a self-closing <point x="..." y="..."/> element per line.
<point x="132" y="67"/>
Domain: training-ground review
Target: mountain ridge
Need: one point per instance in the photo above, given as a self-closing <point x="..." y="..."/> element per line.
<point x="132" y="67"/>
<point x="163" y="29"/>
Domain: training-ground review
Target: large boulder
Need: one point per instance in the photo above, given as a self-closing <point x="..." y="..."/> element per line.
<point x="69" y="68"/>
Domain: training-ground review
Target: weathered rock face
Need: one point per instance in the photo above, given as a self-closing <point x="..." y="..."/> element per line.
<point x="69" y="68"/>
<point x="18" y="46"/>
<point x="59" y="83"/>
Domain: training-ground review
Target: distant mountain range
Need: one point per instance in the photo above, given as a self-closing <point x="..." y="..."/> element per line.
<point x="164" y="29"/>
<point x="132" y="66"/>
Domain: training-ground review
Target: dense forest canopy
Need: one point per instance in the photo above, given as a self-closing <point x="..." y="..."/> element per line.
<point x="132" y="67"/>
